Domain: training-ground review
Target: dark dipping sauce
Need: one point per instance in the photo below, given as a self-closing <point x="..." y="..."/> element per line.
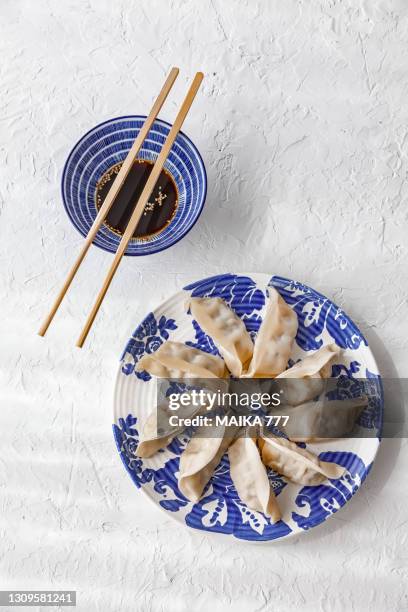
<point x="158" y="212"/>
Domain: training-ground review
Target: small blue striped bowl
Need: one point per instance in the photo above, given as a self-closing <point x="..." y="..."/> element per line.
<point x="107" y="144"/>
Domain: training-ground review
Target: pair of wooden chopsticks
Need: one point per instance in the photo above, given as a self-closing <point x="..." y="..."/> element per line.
<point x="141" y="203"/>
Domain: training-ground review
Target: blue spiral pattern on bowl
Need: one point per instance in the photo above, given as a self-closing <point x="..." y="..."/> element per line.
<point x="107" y="144"/>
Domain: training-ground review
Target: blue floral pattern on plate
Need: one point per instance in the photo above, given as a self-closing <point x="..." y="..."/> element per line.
<point x="147" y="338"/>
<point x="317" y="314"/>
<point x="220" y="510"/>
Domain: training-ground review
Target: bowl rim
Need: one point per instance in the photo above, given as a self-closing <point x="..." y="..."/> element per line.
<point x="157" y="120"/>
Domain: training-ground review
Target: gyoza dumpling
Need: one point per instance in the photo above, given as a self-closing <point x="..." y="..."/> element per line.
<point x="296" y="464"/>
<point x="322" y="420"/>
<point x="177" y="360"/>
<point x="226" y="329"/>
<point x="158" y="432"/>
<point x="200" y="458"/>
<point x="251" y="479"/>
<point x="305" y="380"/>
<point x="316" y="363"/>
<point x="151" y="441"/>
<point x="274" y="341"/>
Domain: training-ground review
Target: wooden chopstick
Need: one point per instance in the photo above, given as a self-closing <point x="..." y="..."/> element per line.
<point x="142" y="201"/>
<point x="112" y="193"/>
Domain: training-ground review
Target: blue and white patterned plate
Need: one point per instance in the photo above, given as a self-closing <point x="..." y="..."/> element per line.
<point x="221" y="510"/>
<point x="107" y="144"/>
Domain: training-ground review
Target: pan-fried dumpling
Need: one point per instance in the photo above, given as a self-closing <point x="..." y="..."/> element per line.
<point x="151" y="441"/>
<point x="274" y="341"/>
<point x="226" y="329"/>
<point x="200" y="458"/>
<point x="305" y="380"/>
<point x="251" y="479"/>
<point x="296" y="464"/>
<point x="157" y="431"/>
<point x="177" y="360"/>
<point x="316" y="363"/>
<point x="323" y="419"/>
<point x="295" y="391"/>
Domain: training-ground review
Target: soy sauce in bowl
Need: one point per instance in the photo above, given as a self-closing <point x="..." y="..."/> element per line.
<point x="158" y="212"/>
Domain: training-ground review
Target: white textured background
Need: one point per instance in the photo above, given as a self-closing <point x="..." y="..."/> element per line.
<point x="302" y="123"/>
